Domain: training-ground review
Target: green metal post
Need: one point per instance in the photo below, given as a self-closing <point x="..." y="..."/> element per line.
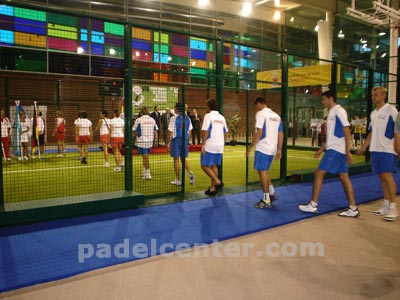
<point x="184" y="134"/>
<point x="128" y="105"/>
<point x="247" y="133"/>
<point x="58" y="94"/>
<point x="219" y="84"/>
<point x="284" y="112"/>
<point x="371" y="83"/>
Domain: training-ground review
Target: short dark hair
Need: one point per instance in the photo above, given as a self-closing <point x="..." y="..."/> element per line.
<point x="104" y="112"/>
<point x="329" y="94"/>
<point x="84" y="114"/>
<point x="179" y="106"/>
<point x="116" y="112"/>
<point x="260" y="100"/>
<point x="212" y="104"/>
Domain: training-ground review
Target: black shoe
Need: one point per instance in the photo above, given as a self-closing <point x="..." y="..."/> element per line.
<point x="263" y="204"/>
<point x="219" y="187"/>
<point x="210" y="193"/>
<point x="274" y="197"/>
<point x="83" y="161"/>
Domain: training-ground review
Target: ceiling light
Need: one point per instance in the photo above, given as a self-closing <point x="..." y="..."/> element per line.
<point x="377" y="47"/>
<point x="316" y="28"/>
<point x="203" y="2"/>
<point x="292" y="19"/>
<point x="246" y="9"/>
<point x="80" y="50"/>
<point x="363" y="41"/>
<point x="382" y="33"/>
<point x="383" y="55"/>
<point x="277" y="3"/>
<point x="112" y="51"/>
<point x="340" y="34"/>
<point x="277" y="15"/>
<point x="137" y="53"/>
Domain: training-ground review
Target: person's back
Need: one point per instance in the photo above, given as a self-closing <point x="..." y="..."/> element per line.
<point x="145" y="127"/>
<point x="269" y="138"/>
<point x="215" y="124"/>
<point x="176" y="126"/>
<point x="117" y="124"/>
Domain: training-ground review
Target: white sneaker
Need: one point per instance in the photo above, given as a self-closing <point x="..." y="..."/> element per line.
<point x="26" y="157"/>
<point x="148" y="177"/>
<point x="308" y="208"/>
<point x="20" y="158"/>
<point x="118" y="169"/>
<point x="191" y="178"/>
<point x="349" y="213"/>
<point x="392" y="214"/>
<point x="176" y="182"/>
<point x="122" y="164"/>
<point x="8" y="159"/>
<point x="382" y="211"/>
<point x="33" y="156"/>
<point x="106" y="164"/>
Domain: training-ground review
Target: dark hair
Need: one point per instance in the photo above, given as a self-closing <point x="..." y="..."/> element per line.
<point x="104" y="112"/>
<point x="116" y="112"/>
<point x="155" y="107"/>
<point x="79" y="114"/>
<point x="260" y="100"/>
<point x="179" y="106"/>
<point x="212" y="104"/>
<point x="144" y="110"/>
<point x="329" y="94"/>
<point x="84" y="114"/>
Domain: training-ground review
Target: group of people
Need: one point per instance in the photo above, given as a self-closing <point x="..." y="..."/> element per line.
<point x="163" y="120"/>
<point x="26" y="136"/>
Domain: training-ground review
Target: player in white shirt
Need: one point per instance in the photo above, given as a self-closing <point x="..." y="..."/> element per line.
<point x="117" y="127"/>
<point x="59" y="133"/>
<point x="176" y="135"/>
<point x="84" y="135"/>
<point x="213" y="133"/>
<point x="145" y="130"/>
<point x="26" y="133"/>
<point x="103" y="125"/>
<point x="5" y="135"/>
<point x="267" y="141"/>
<point x="381" y="142"/>
<point x="336" y="158"/>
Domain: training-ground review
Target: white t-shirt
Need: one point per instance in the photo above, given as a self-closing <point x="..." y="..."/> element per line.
<point x="117" y="126"/>
<point x="176" y="125"/>
<point x="5" y="127"/>
<point x="145" y="127"/>
<point x="335" y="122"/>
<point x="83" y="126"/>
<point x="271" y="124"/>
<point x="214" y="123"/>
<point x="105" y="126"/>
<point x="25" y="130"/>
<point x="382" y="129"/>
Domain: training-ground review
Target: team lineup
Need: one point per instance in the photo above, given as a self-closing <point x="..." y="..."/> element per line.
<point x="383" y="141"/>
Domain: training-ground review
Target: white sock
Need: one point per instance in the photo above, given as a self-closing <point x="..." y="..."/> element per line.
<point x="266" y="197"/>
<point x="392" y="205"/>
<point x="386" y="203"/>
<point x="352" y="207"/>
<point x="314" y="204"/>
<point x="271" y="189"/>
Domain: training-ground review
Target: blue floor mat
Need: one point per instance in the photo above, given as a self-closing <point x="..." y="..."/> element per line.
<point x="43" y="252"/>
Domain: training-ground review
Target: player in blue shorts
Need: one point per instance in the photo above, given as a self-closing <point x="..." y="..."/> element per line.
<point x="145" y="130"/>
<point x="213" y="134"/>
<point x="267" y="142"/>
<point x="336" y="158"/>
<point x="176" y="139"/>
<point x="381" y="142"/>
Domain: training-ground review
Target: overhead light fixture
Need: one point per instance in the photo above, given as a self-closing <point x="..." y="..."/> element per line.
<point x="363" y="41"/>
<point x="246" y="9"/>
<point x="383" y="55"/>
<point x="316" y="28"/>
<point x="203" y="3"/>
<point x="382" y="33"/>
<point x="137" y="53"/>
<point x="277" y="15"/>
<point x="80" y="50"/>
<point x="364" y="46"/>
<point x="377" y="46"/>
<point x="340" y="34"/>
<point x="277" y="3"/>
<point x="292" y="19"/>
<point x="112" y="51"/>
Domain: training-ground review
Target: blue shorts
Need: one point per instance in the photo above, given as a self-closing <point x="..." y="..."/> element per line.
<point x="383" y="162"/>
<point x="262" y="161"/>
<point x="176" y="148"/>
<point x="334" y="162"/>
<point x="211" y="159"/>
<point x="143" y="150"/>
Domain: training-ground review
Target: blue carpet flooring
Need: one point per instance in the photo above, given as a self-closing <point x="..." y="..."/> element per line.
<point x="43" y="252"/>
